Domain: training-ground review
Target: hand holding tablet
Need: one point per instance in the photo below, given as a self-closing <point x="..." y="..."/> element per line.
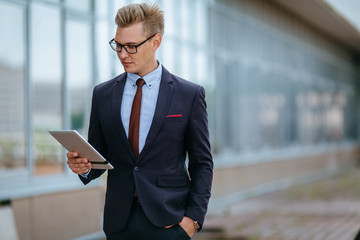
<point x="77" y="164"/>
<point x="74" y="142"/>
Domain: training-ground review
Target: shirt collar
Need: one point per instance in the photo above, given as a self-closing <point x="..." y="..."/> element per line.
<point x="150" y="78"/>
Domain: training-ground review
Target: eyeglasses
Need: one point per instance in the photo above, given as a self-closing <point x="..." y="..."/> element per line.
<point x="129" y="48"/>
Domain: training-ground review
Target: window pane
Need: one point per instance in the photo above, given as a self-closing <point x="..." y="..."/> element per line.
<point x="201" y="22"/>
<point x="46" y="80"/>
<point x="200" y="68"/>
<point x="167" y="53"/>
<point x="78" y="75"/>
<point x="186" y="62"/>
<point x="171" y="14"/>
<point x="82" y="5"/>
<point x="101" y="8"/>
<point x="103" y="51"/>
<point x="12" y="92"/>
<point x="186" y="24"/>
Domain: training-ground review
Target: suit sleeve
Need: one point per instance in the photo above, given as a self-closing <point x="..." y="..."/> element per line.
<point x="200" y="159"/>
<point x="96" y="139"/>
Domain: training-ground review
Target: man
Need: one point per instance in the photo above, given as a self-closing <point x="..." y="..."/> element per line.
<point x="151" y="194"/>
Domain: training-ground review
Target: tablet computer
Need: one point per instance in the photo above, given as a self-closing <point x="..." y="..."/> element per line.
<point x="74" y="142"/>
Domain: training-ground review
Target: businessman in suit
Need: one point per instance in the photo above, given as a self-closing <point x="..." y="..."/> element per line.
<point x="144" y="122"/>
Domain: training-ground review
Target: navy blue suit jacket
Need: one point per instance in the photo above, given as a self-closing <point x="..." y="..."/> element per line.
<point x="167" y="189"/>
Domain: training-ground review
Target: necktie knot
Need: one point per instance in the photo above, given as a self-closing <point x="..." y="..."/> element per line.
<point x="140" y="82"/>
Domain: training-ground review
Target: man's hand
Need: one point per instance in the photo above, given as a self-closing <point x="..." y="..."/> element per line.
<point x="188" y="225"/>
<point x="76" y="164"/>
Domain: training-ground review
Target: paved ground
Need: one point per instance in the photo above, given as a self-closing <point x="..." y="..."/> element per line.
<point x="323" y="210"/>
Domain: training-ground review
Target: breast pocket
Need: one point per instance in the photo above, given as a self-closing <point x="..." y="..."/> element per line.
<point x="174" y="119"/>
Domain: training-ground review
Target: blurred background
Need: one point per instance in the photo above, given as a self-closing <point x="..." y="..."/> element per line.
<point x="281" y="77"/>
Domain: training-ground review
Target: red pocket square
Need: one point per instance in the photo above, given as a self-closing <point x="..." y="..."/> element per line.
<point x="174" y="116"/>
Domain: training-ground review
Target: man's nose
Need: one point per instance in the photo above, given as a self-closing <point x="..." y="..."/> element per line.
<point x="123" y="53"/>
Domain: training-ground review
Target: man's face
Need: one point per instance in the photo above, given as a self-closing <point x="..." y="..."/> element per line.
<point x="143" y="61"/>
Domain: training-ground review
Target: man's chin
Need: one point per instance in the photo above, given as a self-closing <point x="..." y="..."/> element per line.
<point x="128" y="69"/>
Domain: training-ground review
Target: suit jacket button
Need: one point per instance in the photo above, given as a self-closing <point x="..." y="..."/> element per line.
<point x="136" y="168"/>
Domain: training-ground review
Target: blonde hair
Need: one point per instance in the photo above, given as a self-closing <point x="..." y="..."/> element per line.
<point x="152" y="17"/>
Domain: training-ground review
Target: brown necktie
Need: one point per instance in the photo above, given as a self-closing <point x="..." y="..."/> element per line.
<point x="135" y="118"/>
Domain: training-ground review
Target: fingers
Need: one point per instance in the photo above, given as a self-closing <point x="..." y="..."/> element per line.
<point x="170" y="226"/>
<point x="79" y="168"/>
<point x="77" y="164"/>
<point x="72" y="154"/>
<point x="188" y="225"/>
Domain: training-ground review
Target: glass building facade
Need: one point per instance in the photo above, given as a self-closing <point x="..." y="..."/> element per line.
<point x="280" y="92"/>
<point x="273" y="83"/>
<point x="279" y="82"/>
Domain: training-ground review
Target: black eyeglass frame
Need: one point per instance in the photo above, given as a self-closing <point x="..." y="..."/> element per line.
<point x="128" y="45"/>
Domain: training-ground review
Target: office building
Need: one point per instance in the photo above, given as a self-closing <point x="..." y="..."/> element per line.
<point x="282" y="86"/>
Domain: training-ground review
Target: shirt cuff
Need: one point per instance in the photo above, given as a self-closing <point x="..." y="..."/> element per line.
<point x="85" y="175"/>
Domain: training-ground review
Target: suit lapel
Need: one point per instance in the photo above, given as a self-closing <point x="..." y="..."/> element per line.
<point x="117" y="95"/>
<point x="162" y="106"/>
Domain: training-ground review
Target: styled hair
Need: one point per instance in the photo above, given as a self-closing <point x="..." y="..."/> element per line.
<point x="152" y="17"/>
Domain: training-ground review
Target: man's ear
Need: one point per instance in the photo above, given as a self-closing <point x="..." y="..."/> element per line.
<point x="156" y="41"/>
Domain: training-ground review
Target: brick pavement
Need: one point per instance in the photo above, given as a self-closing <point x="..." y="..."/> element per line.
<point x="323" y="210"/>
